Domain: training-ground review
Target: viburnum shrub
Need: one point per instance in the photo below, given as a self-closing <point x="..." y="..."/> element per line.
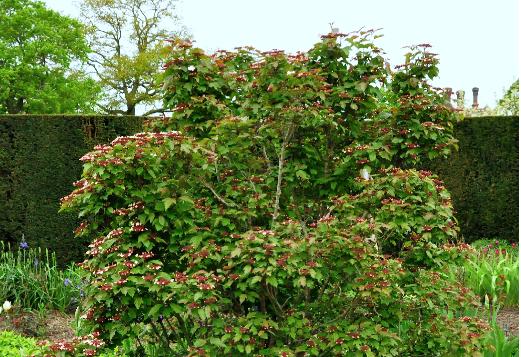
<point x="278" y="211"/>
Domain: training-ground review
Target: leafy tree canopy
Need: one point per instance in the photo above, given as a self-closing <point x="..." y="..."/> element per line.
<point x="509" y="104"/>
<point x="38" y="50"/>
<point x="127" y="37"/>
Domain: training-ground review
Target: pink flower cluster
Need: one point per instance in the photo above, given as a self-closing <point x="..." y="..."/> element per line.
<point x="87" y="344"/>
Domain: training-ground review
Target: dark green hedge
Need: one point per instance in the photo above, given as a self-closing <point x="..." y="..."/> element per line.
<point x="39" y="161"/>
<point x="38" y="164"/>
<point x="483" y="177"/>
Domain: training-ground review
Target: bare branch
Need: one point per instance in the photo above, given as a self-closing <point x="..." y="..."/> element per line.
<point x="282" y="157"/>
<point x="208" y="186"/>
<point x="110" y="110"/>
<point x="158" y="110"/>
<point x="273" y="299"/>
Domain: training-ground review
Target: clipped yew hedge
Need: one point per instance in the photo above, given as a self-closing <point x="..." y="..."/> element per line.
<point x="483" y="177"/>
<point x="39" y="161"/>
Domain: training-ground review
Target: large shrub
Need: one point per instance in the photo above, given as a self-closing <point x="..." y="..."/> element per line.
<point x="274" y="212"/>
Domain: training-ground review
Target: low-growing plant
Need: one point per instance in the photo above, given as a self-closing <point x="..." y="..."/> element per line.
<point x="31" y="279"/>
<point x="498" y="343"/>
<point x="276" y="212"/>
<point x="496" y="246"/>
<point x="492" y="271"/>
<point x="87" y="345"/>
<point x="14" y="345"/>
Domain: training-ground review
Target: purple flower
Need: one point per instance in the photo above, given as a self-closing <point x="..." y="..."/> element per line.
<point x="24" y="245"/>
<point x="66" y="282"/>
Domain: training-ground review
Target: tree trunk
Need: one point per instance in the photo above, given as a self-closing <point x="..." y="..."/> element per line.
<point x="131" y="109"/>
<point x="14" y="106"/>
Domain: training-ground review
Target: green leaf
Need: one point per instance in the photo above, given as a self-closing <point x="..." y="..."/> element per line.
<point x="168" y="202"/>
<point x="217" y="342"/>
<point x="247" y="269"/>
<point x="200" y="342"/>
<point x="162" y="220"/>
<point x="154" y="310"/>
<point x="202" y="314"/>
<point x="272" y="281"/>
<point x="361" y="86"/>
<point x="302" y="175"/>
<point x="255" y="280"/>
<point x="236" y="252"/>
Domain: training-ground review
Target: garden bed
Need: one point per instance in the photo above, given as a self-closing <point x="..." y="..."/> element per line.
<point x="508" y="319"/>
<point x="54" y="325"/>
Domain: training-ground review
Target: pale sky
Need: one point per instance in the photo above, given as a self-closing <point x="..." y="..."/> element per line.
<point x="477" y="40"/>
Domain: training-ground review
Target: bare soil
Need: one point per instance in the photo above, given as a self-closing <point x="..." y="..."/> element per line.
<point x="53" y="326"/>
<point x="508" y="319"/>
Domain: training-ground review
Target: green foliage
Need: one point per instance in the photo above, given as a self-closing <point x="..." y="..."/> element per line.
<point x="503" y="346"/>
<point x="497" y="342"/>
<point x="491" y="271"/>
<point x="14" y="345"/>
<point x="38" y="161"/>
<point x="88" y="345"/>
<point x="411" y="212"/>
<point x="509" y="104"/>
<point x="483" y="177"/>
<point x="489" y="245"/>
<point x="281" y="218"/>
<point x="127" y="37"/>
<point x="37" y="49"/>
<point x="31" y="279"/>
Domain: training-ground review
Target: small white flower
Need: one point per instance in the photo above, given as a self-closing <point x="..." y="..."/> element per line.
<point x="365" y="174"/>
<point x="7" y="306"/>
<point x="191" y="68"/>
<point x="289" y="73"/>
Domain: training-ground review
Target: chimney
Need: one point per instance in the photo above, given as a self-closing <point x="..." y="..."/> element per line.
<point x="460" y="99"/>
<point x="448" y="93"/>
<point x="475" y="91"/>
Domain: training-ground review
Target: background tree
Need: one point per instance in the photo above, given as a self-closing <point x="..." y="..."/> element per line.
<point x="38" y="50"/>
<point x="127" y="38"/>
<point x="509" y="104"/>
